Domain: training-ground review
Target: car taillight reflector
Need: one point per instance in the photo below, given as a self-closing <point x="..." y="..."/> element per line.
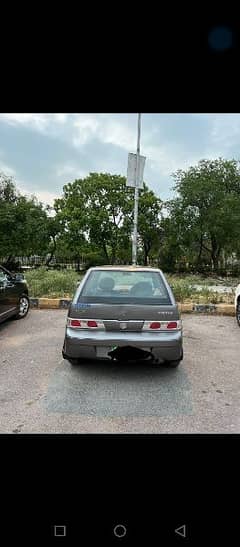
<point x="85" y="324"/>
<point x="155" y="325"/>
<point x="172" y="325"/>
<point x="92" y="324"/>
<point x="75" y="323"/>
<point x="163" y="326"/>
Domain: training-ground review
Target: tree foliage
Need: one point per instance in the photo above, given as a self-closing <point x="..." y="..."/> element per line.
<point x="24" y="223"/>
<point x="207" y="208"/>
<point x="93" y="220"/>
<point x="98" y="211"/>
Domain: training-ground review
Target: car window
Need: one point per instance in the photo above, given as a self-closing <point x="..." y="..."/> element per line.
<point x="125" y="287"/>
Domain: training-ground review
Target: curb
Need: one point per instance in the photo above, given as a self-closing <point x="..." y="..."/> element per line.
<point x="190" y="307"/>
<point x="213" y="309"/>
<point x="49" y="303"/>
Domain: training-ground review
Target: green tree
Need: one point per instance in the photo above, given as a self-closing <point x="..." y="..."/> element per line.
<point x="30" y="235"/>
<point x="98" y="211"/>
<point x="149" y="221"/>
<point x="8" y="198"/>
<point x="92" y="211"/>
<point x="173" y="240"/>
<point x="8" y="192"/>
<point x="53" y="232"/>
<point x="208" y="204"/>
<point x="24" y="224"/>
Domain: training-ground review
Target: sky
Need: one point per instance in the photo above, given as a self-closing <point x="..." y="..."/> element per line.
<point x="42" y="152"/>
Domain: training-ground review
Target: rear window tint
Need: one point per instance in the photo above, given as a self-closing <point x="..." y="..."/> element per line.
<point x="124" y="287"/>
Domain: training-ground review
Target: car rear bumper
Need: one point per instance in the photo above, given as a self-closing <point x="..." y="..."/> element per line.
<point x="83" y="344"/>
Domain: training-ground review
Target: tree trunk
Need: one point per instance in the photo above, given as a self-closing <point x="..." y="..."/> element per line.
<point x="76" y="262"/>
<point x="105" y="252"/>
<point x="147" y="248"/>
<point x="52" y="253"/>
<point x="145" y="257"/>
<point x="215" y="254"/>
<point x="113" y="257"/>
<point x="199" y="258"/>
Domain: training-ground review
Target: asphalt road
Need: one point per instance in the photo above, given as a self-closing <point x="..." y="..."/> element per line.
<point x="42" y="393"/>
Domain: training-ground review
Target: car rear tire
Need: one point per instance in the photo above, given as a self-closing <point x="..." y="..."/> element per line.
<point x="173" y="364"/>
<point x="75" y="362"/>
<point x="24" y="305"/>
<point x="238" y="312"/>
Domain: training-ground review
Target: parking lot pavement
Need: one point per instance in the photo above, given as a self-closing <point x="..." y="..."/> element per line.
<point x="41" y="393"/>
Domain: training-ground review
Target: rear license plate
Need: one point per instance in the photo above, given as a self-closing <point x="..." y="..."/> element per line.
<point x="102" y="352"/>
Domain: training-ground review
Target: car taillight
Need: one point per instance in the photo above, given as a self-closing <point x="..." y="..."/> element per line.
<point x="163" y="326"/>
<point x="74" y="323"/>
<point x="84" y="323"/>
<point x="172" y="325"/>
<point x="155" y="325"/>
<point x="92" y="324"/>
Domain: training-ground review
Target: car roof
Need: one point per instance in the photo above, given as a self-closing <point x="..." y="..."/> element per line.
<point x="126" y="268"/>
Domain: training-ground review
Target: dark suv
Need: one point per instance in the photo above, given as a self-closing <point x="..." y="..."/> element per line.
<point x="14" y="301"/>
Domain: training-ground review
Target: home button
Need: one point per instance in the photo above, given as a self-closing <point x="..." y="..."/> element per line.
<point x="120" y="530"/>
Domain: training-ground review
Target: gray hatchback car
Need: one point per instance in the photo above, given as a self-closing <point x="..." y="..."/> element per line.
<point x="123" y="313"/>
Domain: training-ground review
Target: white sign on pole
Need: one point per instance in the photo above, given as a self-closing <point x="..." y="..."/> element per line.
<point x="132" y="178"/>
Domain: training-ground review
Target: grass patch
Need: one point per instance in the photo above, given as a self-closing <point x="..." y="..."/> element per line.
<point x="182" y="287"/>
<point x="44" y="283"/>
<point x="198" y="279"/>
<point x="182" y="290"/>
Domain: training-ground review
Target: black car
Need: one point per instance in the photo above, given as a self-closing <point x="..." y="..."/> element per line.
<point x="14" y="300"/>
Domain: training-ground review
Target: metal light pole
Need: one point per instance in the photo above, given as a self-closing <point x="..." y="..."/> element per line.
<point x="136" y="196"/>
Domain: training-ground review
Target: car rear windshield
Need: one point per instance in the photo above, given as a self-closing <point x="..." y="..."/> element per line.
<point x="125" y="287"/>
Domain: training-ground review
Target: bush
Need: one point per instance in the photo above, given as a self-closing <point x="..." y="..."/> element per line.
<point x="62" y="284"/>
<point x="52" y="283"/>
<point x="181" y="290"/>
